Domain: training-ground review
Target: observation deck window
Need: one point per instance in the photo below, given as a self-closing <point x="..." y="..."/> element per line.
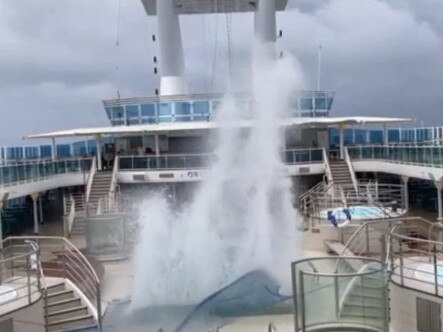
<point x="320" y="103"/>
<point x="182" y="108"/>
<point x="118" y="112"/>
<point x="306" y="103"/>
<point x="132" y="111"/>
<point x="147" y="110"/>
<point x="202" y="107"/>
<point x="165" y="109"/>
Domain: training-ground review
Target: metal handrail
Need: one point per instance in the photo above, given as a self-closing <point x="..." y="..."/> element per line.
<point x="26" y="266"/>
<point x="300" y="291"/>
<point x="74" y="266"/>
<point x="92" y="172"/>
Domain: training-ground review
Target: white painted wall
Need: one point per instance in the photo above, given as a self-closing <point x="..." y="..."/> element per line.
<point x="403" y="308"/>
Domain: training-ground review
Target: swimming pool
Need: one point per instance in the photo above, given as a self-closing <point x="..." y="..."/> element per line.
<point x="362" y="212"/>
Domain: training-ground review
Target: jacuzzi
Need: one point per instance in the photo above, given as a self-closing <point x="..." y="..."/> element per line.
<point x="362" y="212"/>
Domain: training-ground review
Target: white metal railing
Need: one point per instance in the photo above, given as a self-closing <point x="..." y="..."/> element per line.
<point x="114" y="180"/>
<point x="416" y="256"/>
<point x="61" y="259"/>
<point x="31" y="171"/>
<point x="21" y="273"/>
<point x="327" y="165"/>
<point x="351" y="169"/>
<point x="92" y="172"/>
<point x="386" y="199"/>
<point x="413" y="155"/>
<point x="71" y="215"/>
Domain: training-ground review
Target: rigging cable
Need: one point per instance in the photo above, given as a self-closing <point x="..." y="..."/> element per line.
<point x="229" y="42"/>
<point x="117" y="46"/>
<point x="214" y="56"/>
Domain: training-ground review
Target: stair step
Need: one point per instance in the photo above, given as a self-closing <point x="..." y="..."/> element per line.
<point x="67" y="313"/>
<point x="59" y="296"/>
<point x="64" y="304"/>
<point x="66" y="324"/>
<point x="55" y="288"/>
<point x="349" y="310"/>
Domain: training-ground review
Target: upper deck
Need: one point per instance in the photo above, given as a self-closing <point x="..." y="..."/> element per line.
<point x="203" y="107"/>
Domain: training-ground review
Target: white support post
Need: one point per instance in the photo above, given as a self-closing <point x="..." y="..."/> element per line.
<point x="385" y="135"/>
<point x="54" y="149"/>
<point x="342" y="141"/>
<point x="34" y="197"/>
<point x="172" y="64"/>
<point x="40" y="209"/>
<point x="157" y="145"/>
<point x="405" y="180"/>
<point x="99" y="152"/>
<point x="1" y="225"/>
<point x="265" y="30"/>
<point x="439" y="186"/>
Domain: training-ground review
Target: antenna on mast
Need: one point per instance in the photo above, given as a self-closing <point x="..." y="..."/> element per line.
<point x="319" y="67"/>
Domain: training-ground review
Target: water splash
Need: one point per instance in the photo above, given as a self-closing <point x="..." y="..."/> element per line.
<point x="241" y="217"/>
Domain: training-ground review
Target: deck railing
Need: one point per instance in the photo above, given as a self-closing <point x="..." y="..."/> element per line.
<point x="205" y="160"/>
<point x="60" y="258"/>
<point x="40" y="170"/>
<point x="414" y="155"/>
<point x="340" y="294"/>
<point x="416" y="256"/>
<point x="21" y="275"/>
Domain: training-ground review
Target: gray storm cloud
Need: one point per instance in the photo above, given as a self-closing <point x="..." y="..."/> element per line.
<point x="58" y="59"/>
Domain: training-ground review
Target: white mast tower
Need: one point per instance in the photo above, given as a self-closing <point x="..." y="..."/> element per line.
<point x="172" y="65"/>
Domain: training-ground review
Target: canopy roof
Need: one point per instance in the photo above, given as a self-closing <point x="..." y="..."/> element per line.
<point x="323" y="122"/>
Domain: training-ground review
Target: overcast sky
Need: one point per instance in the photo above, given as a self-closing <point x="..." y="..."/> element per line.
<point x="58" y="58"/>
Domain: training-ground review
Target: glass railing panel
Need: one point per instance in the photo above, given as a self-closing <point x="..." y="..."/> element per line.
<point x="318" y="299"/>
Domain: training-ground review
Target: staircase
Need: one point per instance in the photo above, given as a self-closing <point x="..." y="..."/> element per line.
<point x="365" y="301"/>
<point x="78" y="227"/>
<point x="66" y="312"/>
<point x="101" y="184"/>
<point x="341" y="175"/>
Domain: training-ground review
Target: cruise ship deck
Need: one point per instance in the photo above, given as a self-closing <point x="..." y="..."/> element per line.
<point x="91" y="214"/>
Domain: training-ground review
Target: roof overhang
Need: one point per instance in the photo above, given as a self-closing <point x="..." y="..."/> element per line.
<point x="211" y="6"/>
<point x="324" y="122"/>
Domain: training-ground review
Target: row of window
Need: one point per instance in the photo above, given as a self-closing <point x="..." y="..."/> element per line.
<point x="395" y="135"/>
<point x="351" y="137"/>
<point x="199" y="110"/>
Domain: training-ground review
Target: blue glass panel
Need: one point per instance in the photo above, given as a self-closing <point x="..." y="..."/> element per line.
<point x="182" y="118"/>
<point x="393" y="135"/>
<point x="63" y="150"/>
<point x="376" y="136"/>
<point x="45" y="151"/>
<point x="165" y="109"/>
<point x="320" y="103"/>
<point x="182" y="108"/>
<point x="149" y="120"/>
<point x="349" y="136"/>
<point x="118" y="112"/>
<point x="109" y="112"/>
<point x="306" y="103"/>
<point x="164" y="119"/>
<point x="133" y="121"/>
<point x="202" y="107"/>
<point x="330" y="100"/>
<point x="202" y="117"/>
<point x="147" y="109"/>
<point x="132" y="111"/>
<point x="334" y="137"/>
<point x="360" y="136"/>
